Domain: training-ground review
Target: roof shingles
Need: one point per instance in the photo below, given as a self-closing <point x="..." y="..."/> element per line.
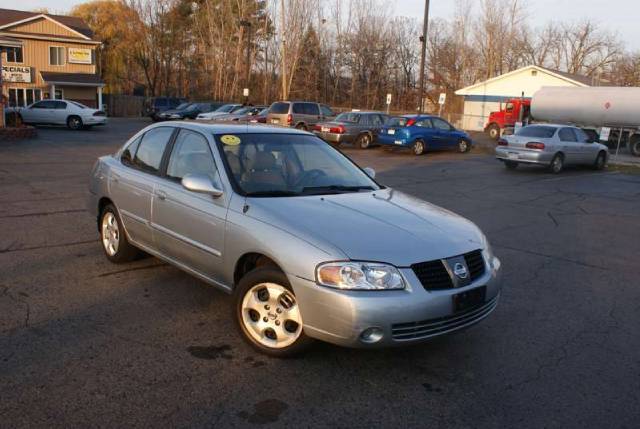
<point x="8" y="16"/>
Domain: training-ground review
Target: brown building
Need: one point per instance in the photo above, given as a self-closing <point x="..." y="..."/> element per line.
<point x="48" y="56"/>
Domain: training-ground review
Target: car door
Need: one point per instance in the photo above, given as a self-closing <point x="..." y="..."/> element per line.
<point x="588" y="150"/>
<point x="34" y="114"/>
<point x="60" y="113"/>
<point x="445" y="134"/>
<point x="188" y="226"/>
<point x="570" y="146"/>
<point x="132" y="186"/>
<point x="423" y="128"/>
<point x="312" y="113"/>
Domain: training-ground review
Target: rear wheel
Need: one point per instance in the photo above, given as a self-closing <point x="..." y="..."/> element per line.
<point x="463" y="146"/>
<point x="557" y="164"/>
<point x="494" y="131"/>
<point x="74" y="122"/>
<point x="511" y="165"/>
<point x="418" y="147"/>
<point x="601" y="161"/>
<point x="363" y="141"/>
<point x="268" y="314"/>
<point x="634" y="145"/>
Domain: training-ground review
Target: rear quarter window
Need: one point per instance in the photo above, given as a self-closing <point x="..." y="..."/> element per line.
<point x="537" y="131"/>
<point x="279" y="108"/>
<point x="311" y="109"/>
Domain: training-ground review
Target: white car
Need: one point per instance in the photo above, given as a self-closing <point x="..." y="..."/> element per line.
<point x="62" y="112"/>
<point x="223" y="110"/>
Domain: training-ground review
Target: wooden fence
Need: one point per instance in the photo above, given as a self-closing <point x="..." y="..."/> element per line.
<point x="123" y="105"/>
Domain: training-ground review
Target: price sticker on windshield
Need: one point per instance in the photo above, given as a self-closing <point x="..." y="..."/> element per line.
<point x="230" y="140"/>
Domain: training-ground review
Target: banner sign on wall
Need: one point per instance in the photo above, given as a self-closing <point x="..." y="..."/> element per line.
<point x="79" y="56"/>
<point x="16" y="74"/>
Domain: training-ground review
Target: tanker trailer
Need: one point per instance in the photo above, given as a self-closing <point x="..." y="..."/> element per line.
<point x="594" y="108"/>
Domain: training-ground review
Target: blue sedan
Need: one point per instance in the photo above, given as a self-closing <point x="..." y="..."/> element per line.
<point x="423" y="132"/>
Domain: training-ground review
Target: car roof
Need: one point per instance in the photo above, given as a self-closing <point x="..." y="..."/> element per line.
<point x="552" y="125"/>
<point x="364" y="112"/>
<point x="218" y="128"/>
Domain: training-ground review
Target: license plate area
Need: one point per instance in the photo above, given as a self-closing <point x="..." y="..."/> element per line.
<point x="470" y="299"/>
<point x="275" y="121"/>
<point x="512" y="155"/>
<point x="391" y="132"/>
<point x="325" y="129"/>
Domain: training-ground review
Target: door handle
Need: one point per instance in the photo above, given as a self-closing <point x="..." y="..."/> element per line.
<point x="161" y="195"/>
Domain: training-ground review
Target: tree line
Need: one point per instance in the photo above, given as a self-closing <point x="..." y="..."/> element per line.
<point x="348" y="53"/>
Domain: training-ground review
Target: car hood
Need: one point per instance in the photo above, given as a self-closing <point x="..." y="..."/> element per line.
<point x="384" y="226"/>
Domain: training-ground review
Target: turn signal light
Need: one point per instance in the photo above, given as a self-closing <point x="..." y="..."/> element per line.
<point x="535" y="145"/>
<point x="289" y="119"/>
<point x="503" y="142"/>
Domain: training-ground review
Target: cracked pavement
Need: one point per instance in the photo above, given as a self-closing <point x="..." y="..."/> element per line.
<point x="87" y="343"/>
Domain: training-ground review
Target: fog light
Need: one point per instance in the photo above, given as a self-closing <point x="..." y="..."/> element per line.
<point x="371" y="335"/>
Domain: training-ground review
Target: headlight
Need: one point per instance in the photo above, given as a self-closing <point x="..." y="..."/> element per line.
<point x="176" y="116"/>
<point x="359" y="276"/>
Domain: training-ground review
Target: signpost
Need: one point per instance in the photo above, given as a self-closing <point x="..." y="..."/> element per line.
<point x="441" y="101"/>
<point x="388" y="102"/>
<point x="245" y="92"/>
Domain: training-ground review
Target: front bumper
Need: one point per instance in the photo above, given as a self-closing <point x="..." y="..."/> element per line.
<point x="529" y="156"/>
<point x="405" y="317"/>
<point x="335" y="138"/>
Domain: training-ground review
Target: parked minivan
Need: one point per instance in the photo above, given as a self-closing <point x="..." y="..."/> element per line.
<point x="298" y="114"/>
<point x="155" y="105"/>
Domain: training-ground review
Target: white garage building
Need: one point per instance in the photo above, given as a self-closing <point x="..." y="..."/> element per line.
<point x="485" y="97"/>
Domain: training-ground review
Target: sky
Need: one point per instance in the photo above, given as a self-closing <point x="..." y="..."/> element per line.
<point x="620" y="16"/>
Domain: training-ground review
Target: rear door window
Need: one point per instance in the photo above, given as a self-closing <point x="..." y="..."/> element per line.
<point x="311" y="109"/>
<point x="441" y="124"/>
<point x="376" y="120"/>
<point x="149" y="154"/>
<point x="424" y="123"/>
<point x="60" y="105"/>
<point x="279" y="108"/>
<point x="567" y="135"/>
<point x="326" y="110"/>
<point x="298" y="108"/>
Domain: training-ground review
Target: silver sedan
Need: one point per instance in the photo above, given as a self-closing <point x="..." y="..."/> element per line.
<point x="309" y="244"/>
<point x="553" y="146"/>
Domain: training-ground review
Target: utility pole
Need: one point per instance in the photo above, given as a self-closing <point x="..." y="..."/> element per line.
<point x="284" y="52"/>
<point x="423" y="40"/>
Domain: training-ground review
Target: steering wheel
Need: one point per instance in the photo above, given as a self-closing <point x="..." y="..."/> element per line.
<point x="308" y="177"/>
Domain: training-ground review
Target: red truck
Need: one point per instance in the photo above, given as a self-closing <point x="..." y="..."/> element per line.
<point x="515" y="110"/>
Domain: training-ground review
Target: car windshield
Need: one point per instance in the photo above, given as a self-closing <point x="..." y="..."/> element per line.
<point x="227" y="108"/>
<point x="289" y="165"/>
<point x="182" y="106"/>
<point x="347" y="117"/>
<point x="539" y="131"/>
<point x="243" y="111"/>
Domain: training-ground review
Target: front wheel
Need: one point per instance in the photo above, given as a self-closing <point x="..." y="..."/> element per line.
<point x="113" y="238"/>
<point x="418" y="148"/>
<point x="634" y="145"/>
<point x="267" y="313"/>
<point x="74" y="123"/>
<point x="494" y="131"/>
<point x="463" y="146"/>
<point x="601" y="161"/>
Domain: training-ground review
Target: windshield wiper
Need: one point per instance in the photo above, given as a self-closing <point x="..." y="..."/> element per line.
<point x="272" y="194"/>
<point x="334" y="189"/>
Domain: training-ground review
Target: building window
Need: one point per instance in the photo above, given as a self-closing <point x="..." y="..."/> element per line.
<point x="22" y="97"/>
<point x="56" y="55"/>
<point x="14" y="55"/>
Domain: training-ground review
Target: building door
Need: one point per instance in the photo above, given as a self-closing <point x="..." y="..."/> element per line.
<point x="59" y="94"/>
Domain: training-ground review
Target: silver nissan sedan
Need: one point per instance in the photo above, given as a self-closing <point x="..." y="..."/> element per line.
<point x="309" y="244"/>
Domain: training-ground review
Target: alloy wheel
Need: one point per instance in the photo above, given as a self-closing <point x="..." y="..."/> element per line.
<point x="110" y="233"/>
<point x="270" y="315"/>
<point x="418" y="148"/>
<point x="365" y="141"/>
<point x="463" y="146"/>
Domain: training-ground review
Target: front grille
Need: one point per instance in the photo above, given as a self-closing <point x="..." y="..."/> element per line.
<point x="475" y="264"/>
<point x="441" y="325"/>
<point x="433" y="275"/>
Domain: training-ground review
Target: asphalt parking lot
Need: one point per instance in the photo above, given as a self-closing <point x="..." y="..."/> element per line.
<point x="86" y="343"/>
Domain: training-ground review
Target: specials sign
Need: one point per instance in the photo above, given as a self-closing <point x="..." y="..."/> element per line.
<point x="16" y="74"/>
<point x="79" y="56"/>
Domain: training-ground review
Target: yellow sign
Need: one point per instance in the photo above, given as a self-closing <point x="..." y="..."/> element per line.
<point x="230" y="140"/>
<point x="80" y="56"/>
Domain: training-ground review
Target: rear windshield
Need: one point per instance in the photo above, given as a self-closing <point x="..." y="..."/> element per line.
<point x="347" y="117"/>
<point x="537" y="131"/>
<point x="279" y="108"/>
<point x="397" y="122"/>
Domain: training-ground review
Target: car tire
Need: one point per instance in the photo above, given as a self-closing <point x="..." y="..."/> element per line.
<point x="113" y="237"/>
<point x="464" y="146"/>
<point x="418" y="148"/>
<point x="363" y="141"/>
<point x="74" y="123"/>
<point x="601" y="161"/>
<point x="557" y="164"/>
<point x="267" y="314"/>
<point x="494" y="131"/>
<point x="634" y="145"/>
<point x="511" y="165"/>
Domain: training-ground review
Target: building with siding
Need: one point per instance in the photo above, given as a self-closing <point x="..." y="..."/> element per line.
<point x="48" y="56"/>
<point x="482" y="98"/>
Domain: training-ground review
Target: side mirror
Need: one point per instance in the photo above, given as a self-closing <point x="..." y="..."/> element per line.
<point x="201" y="184"/>
<point x="370" y="172"/>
